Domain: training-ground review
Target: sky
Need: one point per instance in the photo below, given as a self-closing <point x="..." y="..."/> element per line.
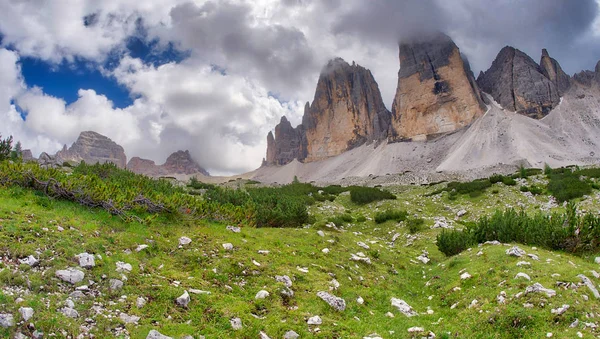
<point x="214" y="77"/>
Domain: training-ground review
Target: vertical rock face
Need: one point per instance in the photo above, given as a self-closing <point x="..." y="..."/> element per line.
<point x="92" y="147"/>
<point x="347" y="111"/>
<point x="588" y="78"/>
<point x="180" y="162"/>
<point x="436" y="89"/>
<point x="552" y="70"/>
<point x="519" y="84"/>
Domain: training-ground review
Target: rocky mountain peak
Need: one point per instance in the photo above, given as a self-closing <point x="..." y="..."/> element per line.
<point x="436" y="89"/>
<point x="180" y="162"/>
<point x="552" y="70"/>
<point x="519" y="84"/>
<point x="92" y="147"/>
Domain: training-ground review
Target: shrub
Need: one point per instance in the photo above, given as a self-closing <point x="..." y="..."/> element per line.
<point x="197" y="184"/>
<point x="365" y="195"/>
<point x="589" y="172"/>
<point x="567" y="186"/>
<point x="509" y="181"/>
<point x="361" y="218"/>
<point x="451" y="242"/>
<point x="341" y="219"/>
<point x="5" y="147"/>
<point x="395" y="215"/>
<point x="474" y="188"/>
<point x="414" y="225"/>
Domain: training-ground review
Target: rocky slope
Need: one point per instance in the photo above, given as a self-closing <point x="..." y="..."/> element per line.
<point x="519" y="84"/>
<point x="180" y="162"/>
<point x="436" y="90"/>
<point x="92" y="147"/>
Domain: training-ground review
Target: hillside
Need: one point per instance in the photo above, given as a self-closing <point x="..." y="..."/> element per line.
<point x="474" y="294"/>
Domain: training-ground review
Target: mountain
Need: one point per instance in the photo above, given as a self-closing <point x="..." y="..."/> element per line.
<point x="92" y="147"/>
<point x="178" y="163"/>
<point x="436" y="89"/>
<point x="347" y="111"/>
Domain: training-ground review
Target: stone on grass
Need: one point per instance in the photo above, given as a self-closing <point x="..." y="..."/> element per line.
<point x="538" y="288"/>
<point x="561" y="310"/>
<point x="154" y="334"/>
<point x="30" y="260"/>
<point x="184" y="241"/>
<point x="461" y="213"/>
<point x="291" y="335"/>
<point x="360" y="257"/>
<point x="69" y="312"/>
<point x="183" y="300"/>
<point x="7" y="320"/>
<point x="533" y="256"/>
<point x="515" y="251"/>
<point x="128" y="319"/>
<point x="140" y="302"/>
<point x="115" y="284"/>
<point x="424" y="257"/>
<point x="86" y="260"/>
<point x="501" y="298"/>
<point x="337" y="303"/>
<point x="321" y="233"/>
<point x="360" y="300"/>
<point x="141" y="247"/>
<point x="523" y="263"/>
<point x="233" y="229"/>
<point x="195" y="291"/>
<point x="522" y="275"/>
<point x="363" y="245"/>
<point x="465" y="276"/>
<point x="26" y="313"/>
<point x="587" y="282"/>
<point x="123" y="267"/>
<point x="316" y="320"/>
<point x="284" y="279"/>
<point x="416" y="330"/>
<point x="261" y="294"/>
<point x="597" y="260"/>
<point x="70" y="275"/>
<point x="228" y="246"/>
<point x="236" y="323"/>
<point x="403" y="307"/>
<point x="325" y="250"/>
<point x="263" y="335"/>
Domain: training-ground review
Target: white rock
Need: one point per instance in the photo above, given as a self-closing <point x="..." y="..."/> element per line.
<point x="316" y="320"/>
<point x="337" y="303"/>
<point x="183" y="300"/>
<point x="184" y="241"/>
<point x="461" y="213"/>
<point x="424" y="258"/>
<point x="389" y="315"/>
<point x="129" y="319"/>
<point x="523" y="263"/>
<point x="360" y="300"/>
<point x="263" y="252"/>
<point x="123" y="267"/>
<point x="596" y="274"/>
<point x="302" y="269"/>
<point x="284" y="279"/>
<point x="587" y="282"/>
<point x="195" y="291"/>
<point x="465" y="276"/>
<point x="261" y="294"/>
<point x="26" y="313"/>
<point x="86" y="260"/>
<point x="115" y="284"/>
<point x="361" y="258"/>
<point x="69" y="312"/>
<point x="560" y="310"/>
<point x="30" y="260"/>
<point x="263" y="335"/>
<point x="325" y="250"/>
<point x="7" y="320"/>
<point x="538" y="288"/>
<point x="363" y="245"/>
<point x="522" y="275"/>
<point x="233" y="229"/>
<point x="501" y="298"/>
<point x="515" y="251"/>
<point x="334" y="284"/>
<point x="154" y="334"/>
<point x="416" y="330"/>
<point x="228" y="246"/>
<point x="403" y="307"/>
<point x="291" y="335"/>
<point x="140" y="302"/>
<point x="533" y="256"/>
<point x="70" y="275"/>
<point x="597" y="260"/>
<point x="141" y="247"/>
<point x="236" y="323"/>
<point x="256" y="263"/>
<point x="321" y="233"/>
<point x="473" y="303"/>
<point x="493" y="242"/>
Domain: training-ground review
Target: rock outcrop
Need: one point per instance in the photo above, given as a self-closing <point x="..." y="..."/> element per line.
<point x="436" y="89"/>
<point x="552" y="70"/>
<point x="346" y="112"/>
<point x="519" y="84"/>
<point x="180" y="162"/>
<point x="92" y="147"/>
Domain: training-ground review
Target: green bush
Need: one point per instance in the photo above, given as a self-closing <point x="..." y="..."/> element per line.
<point x="567" y="185"/>
<point x="365" y="195"/>
<point x="341" y="219"/>
<point x="414" y="225"/>
<point x="395" y="215"/>
<point x="509" y="181"/>
<point x="361" y="218"/>
<point x="451" y="242"/>
<point x="5" y="147"/>
<point x="197" y="184"/>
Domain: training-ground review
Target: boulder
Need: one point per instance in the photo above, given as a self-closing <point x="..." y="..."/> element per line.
<point x="337" y="303"/>
<point x="70" y="275"/>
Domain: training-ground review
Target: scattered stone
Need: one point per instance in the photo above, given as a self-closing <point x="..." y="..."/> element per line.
<point x="284" y="279"/>
<point x="302" y="269"/>
<point x="538" y="288"/>
<point x="86" y="260"/>
<point x="441" y="223"/>
<point x="389" y="315"/>
<point x="316" y="320"/>
<point x="183" y="300"/>
<point x="461" y="213"/>
<point x="501" y="298"/>
<point x="597" y="260"/>
<point x="325" y="250"/>
<point x="70" y="275"/>
<point x="416" y="330"/>
<point x="236" y="323"/>
<point x="154" y="334"/>
<point x="261" y="294"/>
<point x="115" y="284"/>
<point x="522" y="275"/>
<point x="363" y="245"/>
<point x="523" y="263"/>
<point x="403" y="307"/>
<point x="473" y="303"/>
<point x="129" y="319"/>
<point x="560" y="310"/>
<point x="194" y="291"/>
<point x="123" y="267"/>
<point x="360" y="257"/>
<point x="533" y="256"/>
<point x="30" y="260"/>
<point x="291" y="335"/>
<point x="184" y="241"/>
<point x="140" y="302"/>
<point x="228" y="246"/>
<point x="321" y="233"/>
<point x="141" y="248"/>
<point x="263" y="335"/>
<point x="465" y="276"/>
<point x="69" y="312"/>
<point x="587" y="282"/>
<point x="26" y="313"/>
<point x="515" y="251"/>
<point x="360" y="300"/>
<point x="263" y="252"/>
<point x="338" y="304"/>
<point x="7" y="320"/>
<point x="233" y="229"/>
<point x="424" y="257"/>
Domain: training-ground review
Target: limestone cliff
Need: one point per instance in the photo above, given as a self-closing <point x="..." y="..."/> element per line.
<point x="180" y="162"/>
<point x="346" y="112"/>
<point x="92" y="147"/>
<point x="519" y="84"/>
<point x="436" y="89"/>
<point x="552" y="70"/>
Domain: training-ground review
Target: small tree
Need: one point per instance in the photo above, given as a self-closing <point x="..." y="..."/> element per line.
<point x="5" y="147"/>
<point x="17" y="152"/>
